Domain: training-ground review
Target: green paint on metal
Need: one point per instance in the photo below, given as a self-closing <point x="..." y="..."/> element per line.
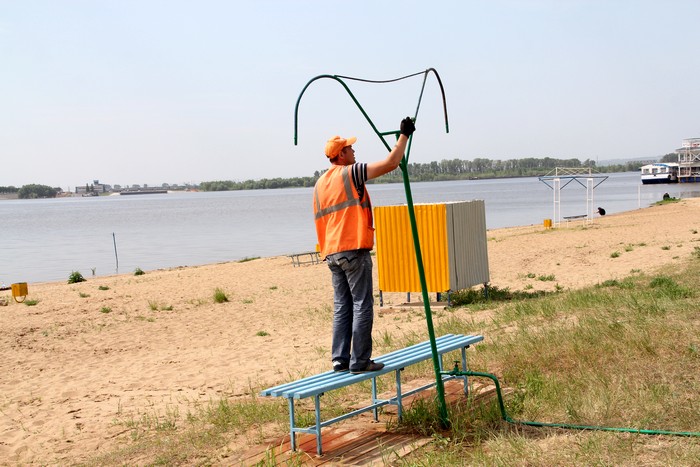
<point x="507" y="418"/>
<point x="409" y="201"/>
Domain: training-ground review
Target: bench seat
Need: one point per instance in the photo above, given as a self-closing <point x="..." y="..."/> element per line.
<point x="315" y="386"/>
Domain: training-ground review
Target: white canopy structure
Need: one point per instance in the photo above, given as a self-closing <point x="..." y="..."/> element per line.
<point x="562" y="176"/>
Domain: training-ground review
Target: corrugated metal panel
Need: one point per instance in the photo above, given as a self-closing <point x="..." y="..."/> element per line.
<point x="469" y="261"/>
<point x="396" y="257"/>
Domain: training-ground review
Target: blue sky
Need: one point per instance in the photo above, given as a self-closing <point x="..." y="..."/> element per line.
<point x="146" y="92"/>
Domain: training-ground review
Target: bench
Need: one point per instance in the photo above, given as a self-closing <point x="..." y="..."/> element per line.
<point x="301" y="258"/>
<point x="316" y="386"/>
<point x="573" y="218"/>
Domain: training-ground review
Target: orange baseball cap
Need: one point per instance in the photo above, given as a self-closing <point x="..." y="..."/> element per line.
<point x="336" y="144"/>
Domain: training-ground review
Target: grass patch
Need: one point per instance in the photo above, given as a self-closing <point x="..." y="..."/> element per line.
<point x="220" y="296"/>
<point x="103" y="287"/>
<point x="196" y="438"/>
<point x="669" y="200"/>
<point x="138" y="272"/>
<point x="155" y="306"/>
<point x="262" y="333"/>
<point x="83" y="295"/>
<point x="75" y="277"/>
<point x="615" y="254"/>
<point x="31" y="302"/>
<point x="246" y="259"/>
<point x="489" y="294"/>
<point x="105" y="309"/>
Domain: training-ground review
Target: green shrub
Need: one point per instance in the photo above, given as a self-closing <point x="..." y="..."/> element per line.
<point x="138" y="272"/>
<point x="490" y="293"/>
<point x="75" y="277"/>
<point x="220" y="296"/>
<point x="670" y="287"/>
<point x="466" y="297"/>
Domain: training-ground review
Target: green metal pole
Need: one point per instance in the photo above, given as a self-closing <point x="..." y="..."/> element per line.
<point x="411" y="215"/>
<point x="442" y="405"/>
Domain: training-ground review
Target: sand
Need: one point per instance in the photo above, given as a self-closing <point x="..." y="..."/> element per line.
<point x="82" y="361"/>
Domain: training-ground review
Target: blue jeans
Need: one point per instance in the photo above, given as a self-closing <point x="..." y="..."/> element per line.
<point x="353" y="313"/>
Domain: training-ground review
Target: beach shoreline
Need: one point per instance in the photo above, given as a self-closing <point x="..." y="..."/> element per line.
<point x="87" y="357"/>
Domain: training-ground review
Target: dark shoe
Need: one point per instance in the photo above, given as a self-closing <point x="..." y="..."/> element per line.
<point x="371" y="366"/>
<point x="339" y="366"/>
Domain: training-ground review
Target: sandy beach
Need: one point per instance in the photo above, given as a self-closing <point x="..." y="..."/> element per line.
<point x="88" y="355"/>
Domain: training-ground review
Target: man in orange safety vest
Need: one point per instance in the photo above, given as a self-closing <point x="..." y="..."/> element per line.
<point x="343" y="216"/>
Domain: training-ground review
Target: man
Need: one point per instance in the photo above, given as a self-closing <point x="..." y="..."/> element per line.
<point x="343" y="215"/>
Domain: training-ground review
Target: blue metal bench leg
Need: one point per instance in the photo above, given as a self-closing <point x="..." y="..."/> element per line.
<point x="399" y="402"/>
<point x="464" y="368"/>
<point x="317" y="400"/>
<point x="374" y="399"/>
<point x="292" y="434"/>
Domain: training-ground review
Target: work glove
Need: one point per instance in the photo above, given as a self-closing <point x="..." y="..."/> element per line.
<point x="407" y="127"/>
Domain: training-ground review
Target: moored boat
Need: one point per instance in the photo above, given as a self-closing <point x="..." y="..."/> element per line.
<point x="660" y="172"/>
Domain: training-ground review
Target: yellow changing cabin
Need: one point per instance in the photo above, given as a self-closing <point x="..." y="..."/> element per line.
<point x="452" y="240"/>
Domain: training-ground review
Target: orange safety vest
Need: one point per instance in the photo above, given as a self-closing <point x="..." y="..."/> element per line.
<point x="343" y="220"/>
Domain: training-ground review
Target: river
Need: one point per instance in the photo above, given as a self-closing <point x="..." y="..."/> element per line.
<point x="45" y="240"/>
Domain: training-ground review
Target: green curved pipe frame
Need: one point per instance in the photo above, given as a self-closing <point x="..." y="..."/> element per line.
<point x="409" y="201"/>
<point x="504" y="414"/>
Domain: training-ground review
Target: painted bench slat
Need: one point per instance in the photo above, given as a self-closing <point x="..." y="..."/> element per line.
<point x="398" y="359"/>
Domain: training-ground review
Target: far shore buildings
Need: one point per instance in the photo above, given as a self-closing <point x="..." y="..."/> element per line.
<point x="99" y="188"/>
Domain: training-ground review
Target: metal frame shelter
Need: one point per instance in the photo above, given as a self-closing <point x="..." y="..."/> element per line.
<point x="554" y="180"/>
<point x="403" y="165"/>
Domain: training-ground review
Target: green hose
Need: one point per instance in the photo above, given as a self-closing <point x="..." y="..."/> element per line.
<point x="504" y="414"/>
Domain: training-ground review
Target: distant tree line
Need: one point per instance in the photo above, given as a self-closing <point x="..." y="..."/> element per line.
<point x="454" y="169"/>
<point x="8" y="189"/>
<point x="670" y="157"/>
<point x="265" y="183"/>
<point x="36" y="191"/>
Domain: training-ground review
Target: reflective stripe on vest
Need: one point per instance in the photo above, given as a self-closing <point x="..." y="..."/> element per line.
<point x="349" y="195"/>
